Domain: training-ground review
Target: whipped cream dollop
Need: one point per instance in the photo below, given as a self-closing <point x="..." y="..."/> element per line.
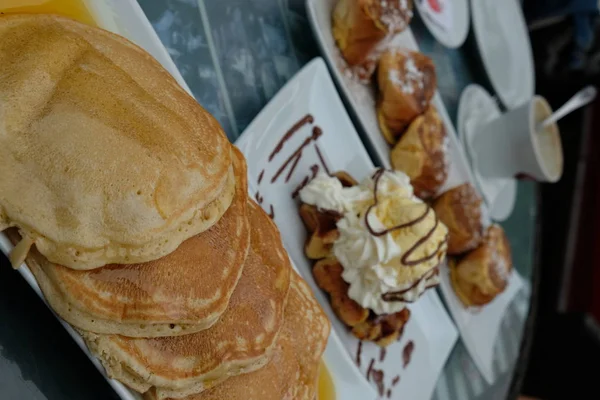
<point x="377" y="264"/>
<point x="327" y="193"/>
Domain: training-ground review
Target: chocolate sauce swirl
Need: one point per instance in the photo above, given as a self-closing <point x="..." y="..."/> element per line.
<point x="405" y="258"/>
<point x="399" y="295"/>
<point x="377" y="178"/>
<point x="295" y="157"/>
<point x="307" y="119"/>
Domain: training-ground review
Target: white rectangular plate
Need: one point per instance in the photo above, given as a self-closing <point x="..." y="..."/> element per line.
<point x="361" y="99"/>
<point x="125" y="18"/>
<point x="312" y="92"/>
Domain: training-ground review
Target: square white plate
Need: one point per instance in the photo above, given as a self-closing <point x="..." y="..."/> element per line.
<point x="312" y="92"/>
<point x="362" y="101"/>
<point x="126" y="18"/>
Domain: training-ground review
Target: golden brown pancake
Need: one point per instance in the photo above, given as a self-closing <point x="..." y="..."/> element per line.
<point x="293" y="370"/>
<point x="104" y="157"/>
<point x="240" y="342"/>
<point x="183" y="292"/>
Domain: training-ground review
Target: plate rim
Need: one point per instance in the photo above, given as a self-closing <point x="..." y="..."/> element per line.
<point x="479" y="32"/>
<point x="452" y="41"/>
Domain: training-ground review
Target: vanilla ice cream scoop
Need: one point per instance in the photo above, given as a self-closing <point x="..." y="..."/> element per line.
<point x="390" y="242"/>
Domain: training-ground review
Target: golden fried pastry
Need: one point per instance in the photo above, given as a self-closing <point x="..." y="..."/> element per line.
<point x="321" y="224"/>
<point x="362" y="27"/>
<point x="328" y="275"/>
<point x="383" y="329"/>
<point x="345" y="178"/>
<point x="407" y="82"/>
<point x="483" y="273"/>
<point x="323" y="231"/>
<point x="421" y="153"/>
<point x="460" y="210"/>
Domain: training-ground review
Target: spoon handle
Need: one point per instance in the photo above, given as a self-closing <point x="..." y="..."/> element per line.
<point x="580" y="99"/>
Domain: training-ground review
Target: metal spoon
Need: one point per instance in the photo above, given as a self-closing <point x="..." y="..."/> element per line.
<point x="580" y="99"/>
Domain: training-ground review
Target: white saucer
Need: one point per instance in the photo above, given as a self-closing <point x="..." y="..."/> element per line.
<point x="503" y="41"/>
<point x="450" y="24"/>
<point x="476" y="107"/>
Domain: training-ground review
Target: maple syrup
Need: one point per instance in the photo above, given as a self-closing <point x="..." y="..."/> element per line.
<point x="326" y="390"/>
<point x="75" y="9"/>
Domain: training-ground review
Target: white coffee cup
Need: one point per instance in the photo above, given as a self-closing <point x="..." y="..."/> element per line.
<point x="510" y="146"/>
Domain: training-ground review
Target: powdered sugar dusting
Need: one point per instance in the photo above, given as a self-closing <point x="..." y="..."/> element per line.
<point x="409" y="79"/>
<point x="445" y="150"/>
<point x="501" y="268"/>
<point x="395" y="14"/>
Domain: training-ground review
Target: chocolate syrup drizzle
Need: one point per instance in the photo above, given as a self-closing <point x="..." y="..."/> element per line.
<point x="378" y="378"/>
<point x="377" y="178"/>
<point x="260" y="176"/>
<point x="396" y="296"/>
<point x="407" y="352"/>
<point x="323" y="163"/>
<point x="297" y="154"/>
<point x="359" y="353"/>
<point x="370" y="369"/>
<point x="307" y="119"/>
<point x="272" y="212"/>
<point x="382" y="354"/>
<point x="315" y="170"/>
<point x="294" y="159"/>
<point x="399" y="295"/>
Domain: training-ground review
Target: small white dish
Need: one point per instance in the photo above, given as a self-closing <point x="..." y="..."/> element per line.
<point x="503" y="40"/>
<point x="476" y="107"/>
<point x="447" y="20"/>
<point x="273" y="179"/>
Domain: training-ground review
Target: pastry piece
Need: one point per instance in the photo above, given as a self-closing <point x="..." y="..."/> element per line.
<point x="345" y="178"/>
<point x="104" y="157"/>
<point x="422" y="154"/>
<point x="460" y="210"/>
<point x="292" y="371"/>
<point x="362" y="28"/>
<point x="484" y="272"/>
<point x="322" y="229"/>
<point x="241" y="341"/>
<point x="407" y="82"/>
<point x="381" y="329"/>
<point x="328" y="275"/>
<point x="321" y="225"/>
<point x="167" y="297"/>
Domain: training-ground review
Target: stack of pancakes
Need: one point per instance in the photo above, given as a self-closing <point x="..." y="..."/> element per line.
<point x="131" y="209"/>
